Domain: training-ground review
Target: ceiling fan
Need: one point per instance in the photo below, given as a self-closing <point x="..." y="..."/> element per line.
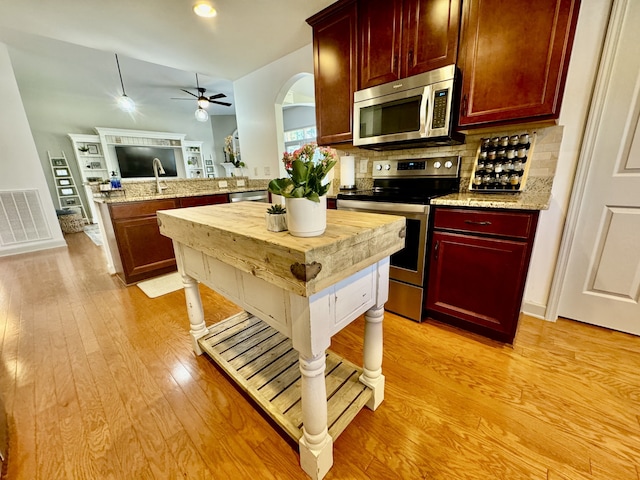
<point x="204" y="101"/>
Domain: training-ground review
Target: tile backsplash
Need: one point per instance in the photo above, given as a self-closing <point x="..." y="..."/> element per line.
<point x="543" y="161"/>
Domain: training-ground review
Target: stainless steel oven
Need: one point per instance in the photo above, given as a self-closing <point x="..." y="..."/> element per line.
<point x="406" y="274"/>
<point x="405" y="187"/>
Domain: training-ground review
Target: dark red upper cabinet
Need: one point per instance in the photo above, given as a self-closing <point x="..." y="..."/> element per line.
<point x="400" y="38"/>
<point x="514" y="58"/>
<point x="335" y="70"/>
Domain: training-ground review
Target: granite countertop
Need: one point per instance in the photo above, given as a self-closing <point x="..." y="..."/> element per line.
<point x="137" y="191"/>
<point x="516" y="201"/>
<point x="537" y="196"/>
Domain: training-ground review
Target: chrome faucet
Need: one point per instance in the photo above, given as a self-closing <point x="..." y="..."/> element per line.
<point x="157" y="169"/>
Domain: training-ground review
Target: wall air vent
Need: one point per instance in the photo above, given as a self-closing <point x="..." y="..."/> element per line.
<point x="21" y="218"/>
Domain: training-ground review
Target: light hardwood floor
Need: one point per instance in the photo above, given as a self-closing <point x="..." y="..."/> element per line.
<point x="100" y="381"/>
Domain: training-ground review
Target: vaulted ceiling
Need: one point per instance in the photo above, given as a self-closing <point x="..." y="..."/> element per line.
<point x="67" y="47"/>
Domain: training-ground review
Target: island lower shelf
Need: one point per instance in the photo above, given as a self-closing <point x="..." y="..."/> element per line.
<point x="263" y="362"/>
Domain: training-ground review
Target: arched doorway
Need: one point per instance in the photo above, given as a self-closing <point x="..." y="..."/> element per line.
<point x="295" y="114"/>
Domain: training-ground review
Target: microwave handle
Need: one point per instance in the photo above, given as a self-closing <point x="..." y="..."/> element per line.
<point x="425" y="111"/>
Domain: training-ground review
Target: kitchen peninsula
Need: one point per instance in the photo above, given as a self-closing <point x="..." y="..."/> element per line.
<point x="134" y="248"/>
<point x="305" y="290"/>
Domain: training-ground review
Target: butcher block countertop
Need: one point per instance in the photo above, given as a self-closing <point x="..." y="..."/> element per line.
<point x="236" y="234"/>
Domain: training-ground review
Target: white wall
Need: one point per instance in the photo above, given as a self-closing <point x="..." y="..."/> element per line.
<point x="298" y="117"/>
<point x="221" y="126"/>
<point x="255" y="96"/>
<point x="19" y="163"/>
<point x="592" y="24"/>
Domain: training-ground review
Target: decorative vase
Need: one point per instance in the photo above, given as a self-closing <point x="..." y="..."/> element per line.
<point x="237" y="172"/>
<point x="306" y="218"/>
<point x="228" y="169"/>
<point x="276" y="222"/>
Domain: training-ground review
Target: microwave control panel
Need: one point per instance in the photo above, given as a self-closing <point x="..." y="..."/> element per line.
<point x="439" y="117"/>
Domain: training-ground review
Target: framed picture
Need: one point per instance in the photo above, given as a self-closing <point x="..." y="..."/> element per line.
<point x="95" y="164"/>
<point x="69" y="201"/>
<point x="210" y="175"/>
<point x="210" y="169"/>
<point x="93" y="149"/>
<point x="61" y="172"/>
<point x="67" y="191"/>
<point x="63" y="182"/>
<point x="208" y="162"/>
<point x="59" y="162"/>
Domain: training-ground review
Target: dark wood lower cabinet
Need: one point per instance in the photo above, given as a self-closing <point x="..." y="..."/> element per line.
<point x="143" y="251"/>
<point x="478" y="267"/>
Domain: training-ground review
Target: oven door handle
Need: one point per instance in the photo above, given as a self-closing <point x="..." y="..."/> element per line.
<point x="382" y="207"/>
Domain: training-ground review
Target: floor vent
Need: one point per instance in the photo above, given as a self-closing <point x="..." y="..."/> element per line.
<point x="21" y="217"/>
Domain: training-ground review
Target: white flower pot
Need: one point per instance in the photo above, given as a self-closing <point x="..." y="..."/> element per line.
<point x="306" y="218"/>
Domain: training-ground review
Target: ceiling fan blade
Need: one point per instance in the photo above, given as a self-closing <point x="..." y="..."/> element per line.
<point x="221" y="103"/>
<point x="187" y="91"/>
<point x="217" y="95"/>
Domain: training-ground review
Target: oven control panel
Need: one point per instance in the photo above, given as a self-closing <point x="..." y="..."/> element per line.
<point x="418" y="167"/>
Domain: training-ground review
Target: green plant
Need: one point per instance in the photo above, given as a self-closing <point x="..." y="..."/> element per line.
<point x="276" y="209"/>
<point x="307" y="167"/>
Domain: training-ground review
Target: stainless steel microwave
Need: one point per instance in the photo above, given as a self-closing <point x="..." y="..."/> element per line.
<point x="414" y="111"/>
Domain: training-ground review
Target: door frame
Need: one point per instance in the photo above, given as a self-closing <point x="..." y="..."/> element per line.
<point x="586" y="156"/>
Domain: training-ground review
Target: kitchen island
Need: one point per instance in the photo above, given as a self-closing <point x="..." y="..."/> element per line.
<point x="306" y="289"/>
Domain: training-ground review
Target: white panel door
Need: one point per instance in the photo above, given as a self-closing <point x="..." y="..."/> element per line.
<point x="602" y="281"/>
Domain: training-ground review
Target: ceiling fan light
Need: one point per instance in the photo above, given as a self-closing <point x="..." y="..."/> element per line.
<point x="204" y="10"/>
<point x="126" y="104"/>
<point x="203" y="102"/>
<point x="201" y="115"/>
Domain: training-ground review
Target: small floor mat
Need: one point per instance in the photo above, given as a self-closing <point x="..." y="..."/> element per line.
<point x="161" y="285"/>
<point x="93" y="232"/>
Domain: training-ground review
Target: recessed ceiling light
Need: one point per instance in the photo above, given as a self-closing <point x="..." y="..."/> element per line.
<point x="204" y="10"/>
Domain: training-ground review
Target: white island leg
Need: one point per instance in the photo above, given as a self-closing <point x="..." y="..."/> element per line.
<point x="372" y="369"/>
<point x="194" y="311"/>
<point x="316" y="445"/>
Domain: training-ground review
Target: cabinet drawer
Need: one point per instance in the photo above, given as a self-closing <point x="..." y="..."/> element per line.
<point x="141" y="209"/>
<point x="490" y="222"/>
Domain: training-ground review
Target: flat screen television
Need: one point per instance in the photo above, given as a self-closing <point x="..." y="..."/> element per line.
<point x="135" y="161"/>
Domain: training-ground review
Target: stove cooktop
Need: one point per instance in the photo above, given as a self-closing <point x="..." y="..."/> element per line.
<point x="414" y="181"/>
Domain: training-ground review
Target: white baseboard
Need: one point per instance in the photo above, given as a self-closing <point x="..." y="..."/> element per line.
<point x="31" y="247"/>
<point x="536" y="310"/>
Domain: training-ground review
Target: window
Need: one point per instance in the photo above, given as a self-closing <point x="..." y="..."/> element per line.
<point x="294" y="139"/>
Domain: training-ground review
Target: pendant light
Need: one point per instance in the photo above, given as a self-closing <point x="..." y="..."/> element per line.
<point x="201" y="114"/>
<point x="124" y="103"/>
